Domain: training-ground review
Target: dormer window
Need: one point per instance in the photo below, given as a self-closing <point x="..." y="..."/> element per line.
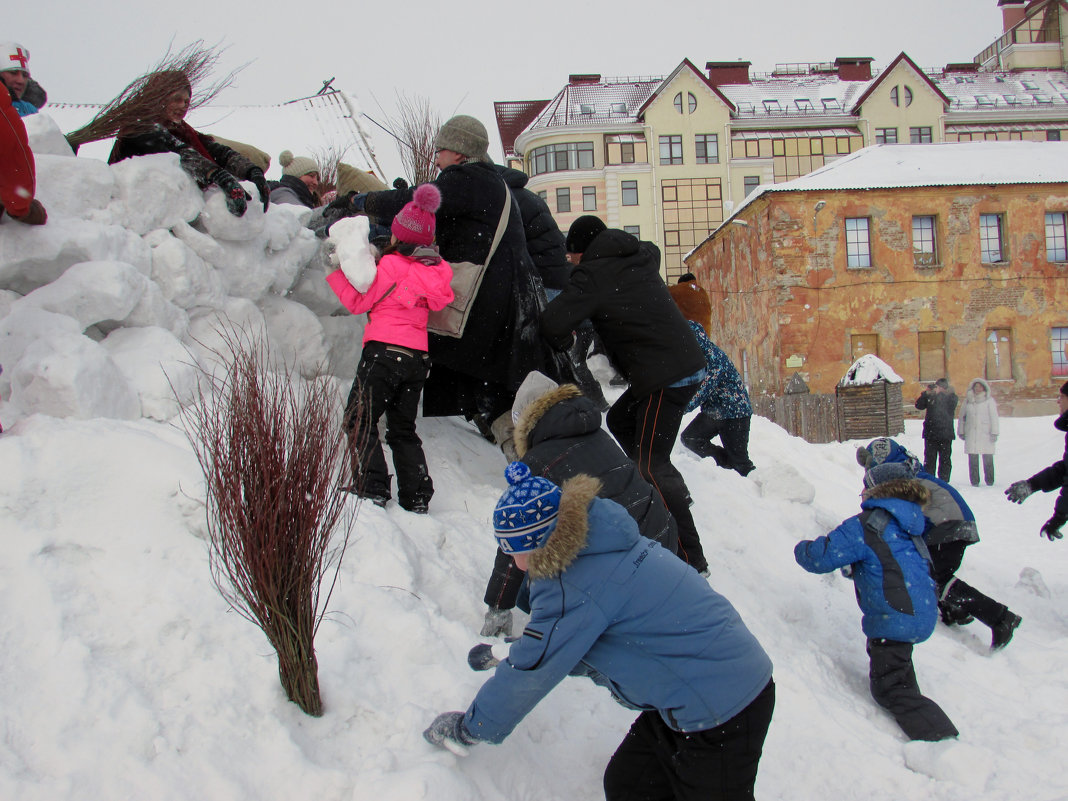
<point x="772" y="107"/>
<point x="1044" y="100"/>
<point x="1012" y="100"/>
<point x="585" y="108"/>
<point x="745" y="107"/>
<point x="1030" y="86"/>
<point x="804" y="105"/>
<point x="619" y="108"/>
<point x="984" y="100"/>
<point x="830" y="104"/>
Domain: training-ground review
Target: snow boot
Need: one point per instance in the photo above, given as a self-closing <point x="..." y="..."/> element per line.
<point x="1003" y="630"/>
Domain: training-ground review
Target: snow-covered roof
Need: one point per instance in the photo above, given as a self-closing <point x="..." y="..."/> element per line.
<point x="867" y="370"/>
<point x="310" y="126"/>
<point x="614" y="100"/>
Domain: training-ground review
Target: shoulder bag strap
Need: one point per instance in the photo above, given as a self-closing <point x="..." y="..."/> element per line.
<point x="502" y="224"/>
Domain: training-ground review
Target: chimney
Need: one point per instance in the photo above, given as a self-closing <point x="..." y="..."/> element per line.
<point x="577" y="80"/>
<point x="1012" y="13"/>
<point x="854" y="69"/>
<point x="721" y="73"/>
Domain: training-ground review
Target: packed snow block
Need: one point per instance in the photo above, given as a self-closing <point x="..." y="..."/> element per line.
<point x="296" y="336"/>
<point x="7" y="300"/>
<point x="200" y="243"/>
<point x="46" y="139"/>
<point x="353" y="251"/>
<point x="71" y="187"/>
<point x="282" y="224"/>
<point x="210" y="330"/>
<point x="154" y="192"/>
<point x="34" y="255"/>
<point x="23" y="326"/>
<point x="154" y="310"/>
<point x="184" y="278"/>
<point x="69" y="375"/>
<point x="311" y="289"/>
<point x="92" y="292"/>
<point x="220" y="224"/>
<point x="157" y="366"/>
<point x="344" y="338"/>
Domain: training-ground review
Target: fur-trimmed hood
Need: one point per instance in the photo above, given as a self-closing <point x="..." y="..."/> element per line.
<point x="534" y="411"/>
<point x="572" y="528"/>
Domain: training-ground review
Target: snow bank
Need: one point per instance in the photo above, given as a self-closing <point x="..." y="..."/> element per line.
<point x="109" y="309"/>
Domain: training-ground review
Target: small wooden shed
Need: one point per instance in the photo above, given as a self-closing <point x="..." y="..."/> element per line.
<point x="869" y="401"/>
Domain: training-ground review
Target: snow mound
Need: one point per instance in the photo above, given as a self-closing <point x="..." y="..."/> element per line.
<point x="867" y="370"/>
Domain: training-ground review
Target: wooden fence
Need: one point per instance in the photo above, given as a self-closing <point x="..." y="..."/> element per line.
<point x="873" y="410"/>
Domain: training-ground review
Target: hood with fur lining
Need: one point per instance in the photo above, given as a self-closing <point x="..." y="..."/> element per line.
<point x="532" y="414"/>
<point x="572" y="527"/>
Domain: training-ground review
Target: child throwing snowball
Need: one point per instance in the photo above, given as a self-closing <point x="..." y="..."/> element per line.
<point x="410" y="280"/>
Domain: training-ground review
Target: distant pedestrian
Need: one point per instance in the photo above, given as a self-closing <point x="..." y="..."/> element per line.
<point x="977" y="425"/>
<point x="940" y="402"/>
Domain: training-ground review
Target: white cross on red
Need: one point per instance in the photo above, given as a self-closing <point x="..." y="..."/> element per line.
<point x="21" y="57"/>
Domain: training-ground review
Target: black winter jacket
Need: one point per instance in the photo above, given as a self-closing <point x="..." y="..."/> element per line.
<point x="559" y="435"/>
<point x="939" y="423"/>
<point x="617" y="286"/>
<point x="545" y="242"/>
<point x="160" y="140"/>
<point x="1056" y="475"/>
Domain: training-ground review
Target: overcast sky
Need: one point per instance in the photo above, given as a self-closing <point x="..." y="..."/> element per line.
<point x="466" y="54"/>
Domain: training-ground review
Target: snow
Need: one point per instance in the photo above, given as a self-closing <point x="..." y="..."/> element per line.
<point x="126" y="676"/>
<point x="868" y="369"/>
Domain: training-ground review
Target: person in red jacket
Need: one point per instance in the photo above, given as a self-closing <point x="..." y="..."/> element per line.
<point x="18" y="172"/>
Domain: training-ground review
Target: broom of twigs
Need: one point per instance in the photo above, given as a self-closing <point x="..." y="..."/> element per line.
<point x="275" y="457"/>
<point x="139" y="106"/>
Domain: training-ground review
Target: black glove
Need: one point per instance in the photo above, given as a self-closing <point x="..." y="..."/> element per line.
<point x="1051" y="529"/>
<point x="448" y="732"/>
<point x="357" y="202"/>
<point x="342" y="203"/>
<point x="236" y="197"/>
<point x="1019" y="491"/>
<point x="255" y="175"/>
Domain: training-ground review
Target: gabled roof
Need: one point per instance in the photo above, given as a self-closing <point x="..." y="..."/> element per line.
<point x="513" y="116"/>
<point x="882" y="76"/>
<point x="685" y="64"/>
<point x="596" y="102"/>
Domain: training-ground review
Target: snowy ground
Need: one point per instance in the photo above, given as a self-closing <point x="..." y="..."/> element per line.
<point x="125" y="676"/>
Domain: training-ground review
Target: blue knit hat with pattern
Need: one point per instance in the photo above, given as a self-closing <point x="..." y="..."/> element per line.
<point x="526" y="513"/>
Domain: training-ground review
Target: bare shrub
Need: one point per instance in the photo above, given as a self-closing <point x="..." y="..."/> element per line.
<point x="274" y="456"/>
<point x="416" y="124"/>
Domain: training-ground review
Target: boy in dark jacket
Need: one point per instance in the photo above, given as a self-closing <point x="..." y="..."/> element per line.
<point x="1054" y="477"/>
<point x="890" y="569"/>
<point x="558" y="435"/>
<point x="604" y="603"/>
<point x="617" y="286"/>
<point x="940" y="402"/>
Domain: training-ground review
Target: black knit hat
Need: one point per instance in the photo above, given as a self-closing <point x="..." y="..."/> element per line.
<point x="583" y="231"/>
<point x="1064" y="388"/>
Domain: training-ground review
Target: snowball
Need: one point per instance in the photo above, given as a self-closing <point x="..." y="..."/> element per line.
<point x="46" y="138"/>
<point x="297" y="338"/>
<point x="159" y="368"/>
<point x="221" y="224"/>
<point x="69" y="375"/>
<point x="353" y="252"/>
<point x="154" y="192"/>
<point x="92" y="292"/>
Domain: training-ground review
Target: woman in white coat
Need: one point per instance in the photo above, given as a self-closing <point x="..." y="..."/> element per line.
<point x="977" y="425"/>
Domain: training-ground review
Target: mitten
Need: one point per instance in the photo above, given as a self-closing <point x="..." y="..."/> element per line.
<point x="255" y="175"/>
<point x="485" y="656"/>
<point x="448" y="732"/>
<point x="236" y="197"/>
<point x="498" y="623"/>
<point x="342" y="202"/>
<point x="1051" y="529"/>
<point x="1019" y="491"/>
<point x="357" y="202"/>
<point x="36" y="215"/>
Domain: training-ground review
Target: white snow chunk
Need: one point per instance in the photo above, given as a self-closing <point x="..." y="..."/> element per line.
<point x="311" y="289"/>
<point x="159" y="368"/>
<point x="154" y="192"/>
<point x="184" y="278"/>
<point x="24" y="326"/>
<point x="950" y="761"/>
<point x="297" y="337"/>
<point x="221" y="224"/>
<point x="344" y="338"/>
<point x="354" y="253"/>
<point x="45" y="137"/>
<point x="867" y="370"/>
<point x="209" y="330"/>
<point x="783" y="481"/>
<point x="69" y="187"/>
<point x="92" y="292"/>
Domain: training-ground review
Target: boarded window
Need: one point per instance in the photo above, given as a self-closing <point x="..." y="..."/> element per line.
<point x="932" y="351"/>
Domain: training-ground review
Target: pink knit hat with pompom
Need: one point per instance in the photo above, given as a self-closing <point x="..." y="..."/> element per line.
<point x="415" y="223"/>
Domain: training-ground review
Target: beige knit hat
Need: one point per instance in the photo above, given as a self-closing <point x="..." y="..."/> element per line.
<point x="464" y="135"/>
<point x="296" y="166"/>
<point x="352" y="179"/>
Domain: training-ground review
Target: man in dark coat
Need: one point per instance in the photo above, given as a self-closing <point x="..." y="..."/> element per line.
<point x="477" y="374"/>
<point x="939" y="422"/>
<point x="1054" y="477"/>
<point x="617" y="286"/>
<point x="558" y="435"/>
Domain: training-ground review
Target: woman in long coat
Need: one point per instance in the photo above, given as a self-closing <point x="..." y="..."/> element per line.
<point x="977" y="425"/>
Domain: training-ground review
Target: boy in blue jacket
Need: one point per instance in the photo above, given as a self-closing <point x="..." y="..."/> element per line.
<point x="895" y="591"/>
<point x="604" y="603"/>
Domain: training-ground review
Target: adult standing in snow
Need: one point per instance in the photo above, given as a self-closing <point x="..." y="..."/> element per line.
<point x="15" y="75"/>
<point x="940" y="402"/>
<point x="206" y="161"/>
<point x="605" y="603"/>
<point x="299" y="185"/>
<point x="617" y="286"/>
<point x="882" y="547"/>
<point x="557" y="433"/>
<point x="18" y="170"/>
<point x="722" y="396"/>
<point x="977" y="425"/>
<point x="411" y="280"/>
<point x="1054" y="477"/>
<point x="477" y="374"/>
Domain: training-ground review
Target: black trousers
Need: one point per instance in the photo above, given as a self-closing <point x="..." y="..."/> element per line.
<point x="892" y="680"/>
<point x="733" y="433"/>
<point x="957" y="600"/>
<point x="646" y="429"/>
<point x="656" y="763"/>
<point x="938" y="458"/>
<point x="389" y="382"/>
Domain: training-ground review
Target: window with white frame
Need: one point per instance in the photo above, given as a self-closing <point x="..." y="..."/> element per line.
<point x="629" y="190"/>
<point x="924" y="245"/>
<point x="707" y="148"/>
<point x="858" y="242"/>
<point x="1056" y="238"/>
<point x="991" y="238"/>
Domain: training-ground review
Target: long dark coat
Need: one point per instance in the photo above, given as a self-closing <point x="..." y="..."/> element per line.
<point x="501" y="343"/>
<point x="545" y="241"/>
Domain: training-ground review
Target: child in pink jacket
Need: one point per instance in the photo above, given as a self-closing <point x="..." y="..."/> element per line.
<point x="411" y="280"/>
